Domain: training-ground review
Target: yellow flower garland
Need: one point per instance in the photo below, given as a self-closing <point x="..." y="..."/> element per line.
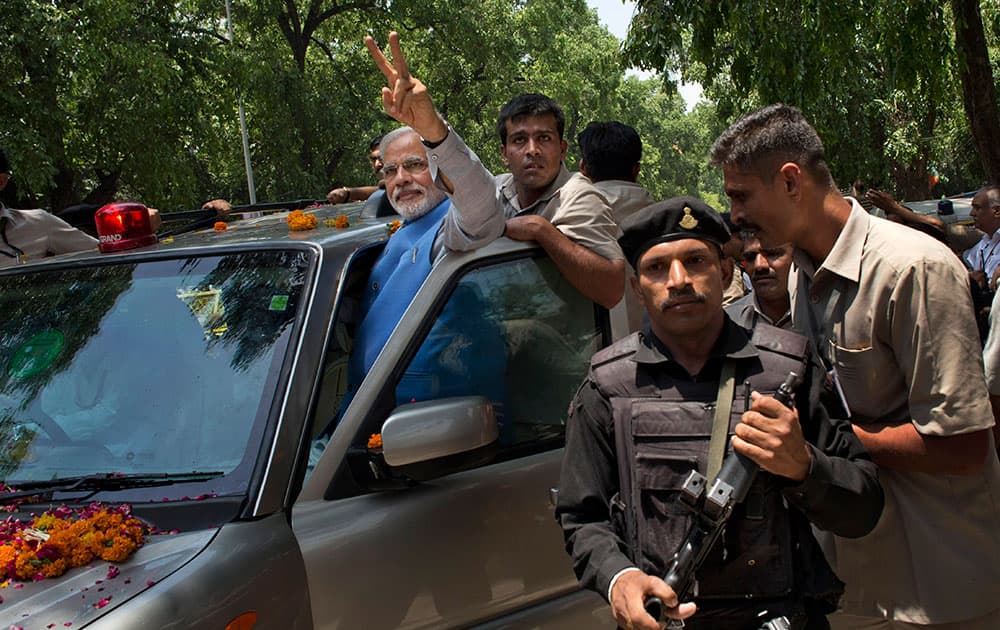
<point x="63" y="538"/>
<point x="300" y="221"/>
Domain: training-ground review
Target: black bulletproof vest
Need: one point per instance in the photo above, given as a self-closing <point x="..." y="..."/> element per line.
<point x="662" y="432"/>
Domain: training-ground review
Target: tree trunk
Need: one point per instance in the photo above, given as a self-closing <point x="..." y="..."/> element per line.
<point x="978" y="91"/>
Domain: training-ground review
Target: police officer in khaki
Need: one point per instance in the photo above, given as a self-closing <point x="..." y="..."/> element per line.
<point x="656" y="396"/>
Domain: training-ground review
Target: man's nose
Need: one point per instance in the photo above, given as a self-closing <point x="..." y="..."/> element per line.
<point x="736" y="213"/>
<point x="760" y="262"/>
<point x="532" y="147"/>
<point x="677" y="275"/>
<point x="403" y="176"/>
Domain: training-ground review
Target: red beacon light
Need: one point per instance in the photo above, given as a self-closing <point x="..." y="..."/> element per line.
<point x="123" y="225"/>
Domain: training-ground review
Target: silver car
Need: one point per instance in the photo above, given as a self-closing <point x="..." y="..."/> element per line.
<point x="203" y="382"/>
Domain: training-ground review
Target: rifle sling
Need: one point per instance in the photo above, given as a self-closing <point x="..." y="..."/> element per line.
<point x="720" y="426"/>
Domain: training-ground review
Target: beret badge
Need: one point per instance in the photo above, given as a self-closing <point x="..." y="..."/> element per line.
<point x="688" y="222"/>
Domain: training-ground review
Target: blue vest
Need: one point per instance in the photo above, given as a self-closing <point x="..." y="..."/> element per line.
<point x="461" y="355"/>
<point x="397" y="275"/>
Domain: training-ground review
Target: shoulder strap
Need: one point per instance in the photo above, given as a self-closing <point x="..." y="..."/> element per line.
<point x="720" y="426"/>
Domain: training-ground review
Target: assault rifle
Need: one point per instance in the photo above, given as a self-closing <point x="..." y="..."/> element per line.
<point x="711" y="512"/>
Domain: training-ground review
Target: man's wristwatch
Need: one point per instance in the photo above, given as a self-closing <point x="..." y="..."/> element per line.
<point x="434" y="145"/>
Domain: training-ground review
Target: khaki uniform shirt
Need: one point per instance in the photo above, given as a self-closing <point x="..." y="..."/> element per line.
<point x="37" y="233"/>
<point x="890" y="311"/>
<point x="625" y="198"/>
<point x="572" y="204"/>
<point x="737" y="287"/>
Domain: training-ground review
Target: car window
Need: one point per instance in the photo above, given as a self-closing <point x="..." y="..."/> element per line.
<point x="518" y="334"/>
<point x="158" y="367"/>
<point x="515" y="332"/>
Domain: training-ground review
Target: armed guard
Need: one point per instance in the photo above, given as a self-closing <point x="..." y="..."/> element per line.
<point x="672" y="399"/>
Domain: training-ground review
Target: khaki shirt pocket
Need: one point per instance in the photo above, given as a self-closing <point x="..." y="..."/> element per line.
<point x="857" y="371"/>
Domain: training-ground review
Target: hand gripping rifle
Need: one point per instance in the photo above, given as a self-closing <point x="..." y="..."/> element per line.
<point x="711" y="511"/>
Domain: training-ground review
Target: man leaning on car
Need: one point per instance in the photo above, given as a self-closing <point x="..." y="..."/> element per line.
<point x="32" y="234"/>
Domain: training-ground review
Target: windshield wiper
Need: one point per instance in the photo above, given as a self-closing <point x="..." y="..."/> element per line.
<point x="104" y="481"/>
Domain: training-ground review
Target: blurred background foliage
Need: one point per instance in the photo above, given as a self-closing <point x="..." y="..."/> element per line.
<point x="111" y="99"/>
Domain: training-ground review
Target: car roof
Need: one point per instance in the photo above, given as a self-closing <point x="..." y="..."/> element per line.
<point x="258" y="230"/>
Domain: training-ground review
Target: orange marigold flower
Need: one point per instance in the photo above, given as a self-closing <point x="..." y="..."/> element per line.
<point x="298" y="220"/>
<point x="220" y="226"/>
<point x="375" y="441"/>
<point x="393" y="226"/>
<point x="57" y="541"/>
<point x="341" y="221"/>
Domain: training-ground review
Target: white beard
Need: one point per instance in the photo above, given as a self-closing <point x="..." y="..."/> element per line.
<point x="416" y="207"/>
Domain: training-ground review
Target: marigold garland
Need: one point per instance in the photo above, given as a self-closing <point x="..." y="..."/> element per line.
<point x="220" y="226"/>
<point x="393" y="226"/>
<point x="375" y="441"/>
<point x="300" y="221"/>
<point x="62" y="539"/>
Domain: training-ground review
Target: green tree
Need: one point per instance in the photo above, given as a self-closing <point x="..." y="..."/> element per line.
<point x="104" y="95"/>
<point x="875" y="78"/>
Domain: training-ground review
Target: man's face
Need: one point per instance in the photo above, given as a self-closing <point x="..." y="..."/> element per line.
<point x="534" y="151"/>
<point x="760" y="206"/>
<point x="681" y="283"/>
<point x="375" y="158"/>
<point x="986" y="211"/>
<point x="768" y="269"/>
<point x="408" y="181"/>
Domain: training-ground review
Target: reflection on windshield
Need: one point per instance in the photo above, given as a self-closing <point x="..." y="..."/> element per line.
<point x="159" y="367"/>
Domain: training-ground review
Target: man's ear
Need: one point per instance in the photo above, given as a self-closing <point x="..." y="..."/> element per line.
<point x="635" y="172"/>
<point x="791" y="179"/>
<point x="727" y="271"/>
<point x="564" y="146"/>
<point x="634" y="281"/>
<point x="4" y="178"/>
<point x="583" y="168"/>
<point x="503" y="154"/>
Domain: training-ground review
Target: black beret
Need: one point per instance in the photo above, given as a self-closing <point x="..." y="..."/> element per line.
<point x="669" y="220"/>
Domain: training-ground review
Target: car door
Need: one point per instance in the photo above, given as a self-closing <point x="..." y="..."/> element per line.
<point x="479" y="546"/>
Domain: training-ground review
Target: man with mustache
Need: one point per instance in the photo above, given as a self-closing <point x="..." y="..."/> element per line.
<point x="539" y="200"/>
<point x="891" y="316"/>
<point x="663" y="402"/>
<point x="768" y="270"/>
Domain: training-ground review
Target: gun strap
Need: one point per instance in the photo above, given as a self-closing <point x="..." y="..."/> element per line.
<point x="720" y="426"/>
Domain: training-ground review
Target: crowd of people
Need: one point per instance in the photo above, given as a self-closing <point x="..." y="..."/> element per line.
<point x="877" y="504"/>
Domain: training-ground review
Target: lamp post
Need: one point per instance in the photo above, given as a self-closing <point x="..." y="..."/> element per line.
<point x="243" y="124"/>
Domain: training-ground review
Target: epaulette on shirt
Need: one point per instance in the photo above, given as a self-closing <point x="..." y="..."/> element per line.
<point x="622" y="348"/>
<point x="779" y="340"/>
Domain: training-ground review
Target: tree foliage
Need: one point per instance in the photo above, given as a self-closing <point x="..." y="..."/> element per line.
<point x="880" y="80"/>
<point x="109" y="98"/>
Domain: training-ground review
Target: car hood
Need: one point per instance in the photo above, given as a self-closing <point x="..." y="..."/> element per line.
<point x="84" y="594"/>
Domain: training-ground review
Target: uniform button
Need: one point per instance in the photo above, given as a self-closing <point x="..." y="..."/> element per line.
<point x="814" y="299"/>
<point x="374" y="286"/>
<point x="434" y="156"/>
<point x="752" y="563"/>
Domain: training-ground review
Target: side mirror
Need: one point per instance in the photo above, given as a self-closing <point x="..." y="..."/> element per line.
<point x="447" y="434"/>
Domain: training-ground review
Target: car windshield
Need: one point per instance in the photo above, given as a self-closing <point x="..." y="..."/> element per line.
<point x="163" y="368"/>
